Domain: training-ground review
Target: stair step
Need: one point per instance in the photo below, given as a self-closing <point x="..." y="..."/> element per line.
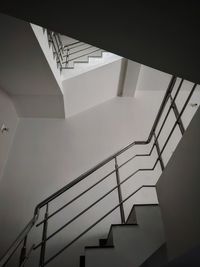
<point x="133" y="244"/>
<point x="132" y="215"/>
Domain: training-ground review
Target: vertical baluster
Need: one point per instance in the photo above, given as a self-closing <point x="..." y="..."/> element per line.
<point x="119" y="192"/>
<point x="44" y="236"/>
<point x="176" y="113"/>
<point x="23" y="252"/>
<point x="67" y="58"/>
<point x="158" y="151"/>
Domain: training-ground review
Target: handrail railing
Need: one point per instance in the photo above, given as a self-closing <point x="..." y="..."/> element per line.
<point x="64" y="53"/>
<point x="24" y="234"/>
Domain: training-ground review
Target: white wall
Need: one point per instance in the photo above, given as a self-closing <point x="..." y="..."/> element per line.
<point x="25" y="73"/>
<point x="152" y="79"/>
<point x="131" y="78"/>
<point x="48" y="153"/>
<point x="48" y="52"/>
<point x="8" y="117"/>
<point x="92" y="88"/>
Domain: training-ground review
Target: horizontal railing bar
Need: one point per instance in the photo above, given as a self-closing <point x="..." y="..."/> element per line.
<point x="75" y="198"/>
<point x="159" y="155"/>
<point x="3" y="263"/>
<point x="84" y="175"/>
<point x="93" y="204"/>
<point x="75" y="52"/>
<point x="89" y="188"/>
<point x="20" y="238"/>
<point x="98" y="221"/>
<point x="71" y="59"/>
<point x="17" y="242"/>
<point x="176" y="113"/>
<point x="168" y="93"/>
<point x="166" y="116"/>
<point x="163" y="123"/>
<point x="68" y="45"/>
<point x="178" y="118"/>
<point x="176" y="122"/>
<point x="104" y="162"/>
<point x="137" y="155"/>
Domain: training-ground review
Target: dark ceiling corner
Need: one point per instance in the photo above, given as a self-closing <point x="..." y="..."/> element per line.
<point x="160" y="34"/>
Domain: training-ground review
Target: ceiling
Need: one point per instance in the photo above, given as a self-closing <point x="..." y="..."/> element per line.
<point x="160" y="34"/>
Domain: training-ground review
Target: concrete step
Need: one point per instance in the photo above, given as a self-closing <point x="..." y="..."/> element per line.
<point x="130" y="245"/>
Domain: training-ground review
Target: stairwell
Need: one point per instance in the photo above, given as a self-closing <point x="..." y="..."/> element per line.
<point x="138" y="238"/>
<point x="139" y="234"/>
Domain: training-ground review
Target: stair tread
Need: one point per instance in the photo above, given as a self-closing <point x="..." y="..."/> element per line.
<point x="131" y="244"/>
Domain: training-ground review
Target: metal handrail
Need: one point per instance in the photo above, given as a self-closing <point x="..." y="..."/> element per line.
<point x="86" y="54"/>
<point x="17" y="242"/>
<point x="124" y="163"/>
<point x="78" y="51"/>
<point x="62" y="52"/>
<point x="30" y="225"/>
<point x="126" y="179"/>
<point x="94" y="224"/>
<point x="45" y="202"/>
<point x="149" y="169"/>
<point x="78" y="42"/>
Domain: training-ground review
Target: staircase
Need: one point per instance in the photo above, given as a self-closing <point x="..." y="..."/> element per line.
<point x="74" y="57"/>
<point x="129" y="244"/>
<point x="70" y="52"/>
<point x="138" y="239"/>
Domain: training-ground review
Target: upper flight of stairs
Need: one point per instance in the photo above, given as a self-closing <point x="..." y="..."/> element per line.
<point x="74" y="57"/>
<point x="68" y="51"/>
<point x="129" y="244"/>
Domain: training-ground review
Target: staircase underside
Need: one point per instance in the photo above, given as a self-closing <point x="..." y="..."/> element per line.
<point x="158" y="34"/>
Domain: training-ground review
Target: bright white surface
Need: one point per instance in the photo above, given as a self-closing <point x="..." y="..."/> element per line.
<point x="152" y="79"/>
<point x="48" y="153"/>
<point x="91" y="88"/>
<point x="25" y="72"/>
<point x="131" y="78"/>
<point x="9" y="117"/>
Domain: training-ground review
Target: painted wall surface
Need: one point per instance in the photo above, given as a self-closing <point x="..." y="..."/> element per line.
<point x="42" y="38"/>
<point x="92" y="88"/>
<point x="152" y="79"/>
<point x="131" y="78"/>
<point x="8" y="117"/>
<point x="25" y="73"/>
<point x="49" y="153"/>
<point x="178" y="193"/>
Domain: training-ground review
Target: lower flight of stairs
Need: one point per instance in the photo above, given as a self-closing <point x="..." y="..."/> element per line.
<point x="130" y="244"/>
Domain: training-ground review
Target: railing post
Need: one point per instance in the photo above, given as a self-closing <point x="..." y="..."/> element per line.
<point x="119" y="192"/>
<point x="23" y="252"/>
<point x="176" y="113"/>
<point x="158" y="151"/>
<point x="44" y="236"/>
<point x="67" y="58"/>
